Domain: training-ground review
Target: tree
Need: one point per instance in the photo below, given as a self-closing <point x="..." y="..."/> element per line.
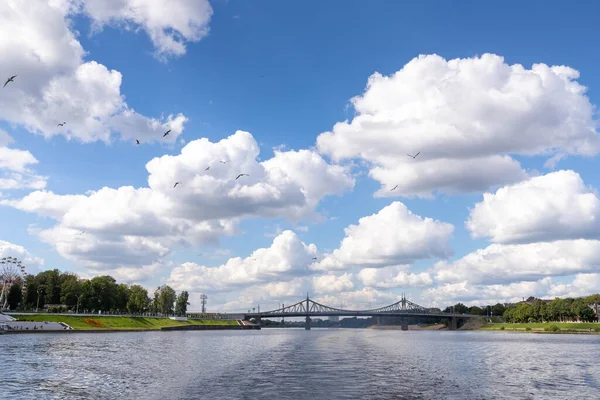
<point x="103" y="292"/>
<point x="182" y="303"/>
<point x="14" y="296"/>
<point x="595" y="300"/>
<point x="475" y="310"/>
<point x="138" y="299"/>
<point x="166" y="299"/>
<point x="122" y="297"/>
<point x="70" y="289"/>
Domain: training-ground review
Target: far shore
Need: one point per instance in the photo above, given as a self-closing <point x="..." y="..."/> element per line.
<point x="95" y="324"/>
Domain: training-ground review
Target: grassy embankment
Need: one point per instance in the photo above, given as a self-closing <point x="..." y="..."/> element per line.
<point x="556" y="327"/>
<point x="113" y="323"/>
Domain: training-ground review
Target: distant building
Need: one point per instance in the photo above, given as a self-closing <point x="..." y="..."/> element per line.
<point x="334" y="318"/>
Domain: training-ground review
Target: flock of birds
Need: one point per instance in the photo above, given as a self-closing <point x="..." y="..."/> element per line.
<point x="137" y="142"/>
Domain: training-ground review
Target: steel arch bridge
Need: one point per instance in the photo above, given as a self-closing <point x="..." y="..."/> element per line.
<point x="403" y="308"/>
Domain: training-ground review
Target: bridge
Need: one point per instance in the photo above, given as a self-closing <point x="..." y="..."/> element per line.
<point x="403" y="309"/>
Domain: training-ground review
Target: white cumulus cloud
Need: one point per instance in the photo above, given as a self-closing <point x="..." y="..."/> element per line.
<point x="169" y="24"/>
<point x="15" y="167"/>
<point x="521" y="262"/>
<point x="392" y="236"/>
<point x="31" y="263"/>
<point x="139" y="226"/>
<point x="286" y="258"/>
<point x="554" y="206"/>
<point x="465" y="117"/>
<point x="393" y="277"/>
<point x="55" y="85"/>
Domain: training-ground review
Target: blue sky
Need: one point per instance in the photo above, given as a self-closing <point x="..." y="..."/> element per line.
<point x="285" y="72"/>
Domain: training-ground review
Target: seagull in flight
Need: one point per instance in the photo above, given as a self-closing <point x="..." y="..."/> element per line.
<point x="240" y="175"/>
<point x="207" y="168"/>
<point x="80" y="233"/>
<point x="415" y="156"/>
<point x="224" y="162"/>
<point x="11" y="79"/>
<point x="167" y="132"/>
<point x="137" y="141"/>
<point x="395" y="187"/>
<point x="200" y="254"/>
<point x="63" y="124"/>
<point x="314" y="258"/>
<point x="176" y="183"/>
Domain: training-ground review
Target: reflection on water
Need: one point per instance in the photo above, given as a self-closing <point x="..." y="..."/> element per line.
<point x="298" y="364"/>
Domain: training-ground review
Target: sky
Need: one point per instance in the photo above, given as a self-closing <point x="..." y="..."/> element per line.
<point x="320" y="104"/>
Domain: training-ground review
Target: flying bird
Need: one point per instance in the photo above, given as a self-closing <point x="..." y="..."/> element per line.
<point x="137" y="141"/>
<point x="224" y="162"/>
<point x="80" y="233"/>
<point x="415" y="156"/>
<point x="207" y="168"/>
<point x="166" y="133"/>
<point x="395" y="187"/>
<point x="240" y="175"/>
<point x="63" y="124"/>
<point x="314" y="258"/>
<point x="176" y="183"/>
<point x="200" y="254"/>
<point x="11" y="79"/>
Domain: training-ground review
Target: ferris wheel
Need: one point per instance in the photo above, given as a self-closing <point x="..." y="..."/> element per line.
<point x="12" y="271"/>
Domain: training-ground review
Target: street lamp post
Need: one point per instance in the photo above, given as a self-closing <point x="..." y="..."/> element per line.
<point x="77" y="307"/>
<point x="37" y="306"/>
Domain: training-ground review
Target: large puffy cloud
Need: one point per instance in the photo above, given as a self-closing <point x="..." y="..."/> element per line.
<point x="133" y="226"/>
<point x="525" y="262"/>
<point x="470" y="294"/>
<point x="54" y="84"/>
<point x="31" y="263"/>
<point x="550" y="207"/>
<point x="464" y="116"/>
<point x="15" y="167"/>
<point x="332" y="283"/>
<point x="392" y="236"/>
<point x="169" y="24"/>
<point x="367" y="297"/>
<point x="286" y="258"/>
<point x="546" y="288"/>
<point x="394" y="276"/>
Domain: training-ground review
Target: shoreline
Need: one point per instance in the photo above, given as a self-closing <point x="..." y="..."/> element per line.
<point x="165" y="329"/>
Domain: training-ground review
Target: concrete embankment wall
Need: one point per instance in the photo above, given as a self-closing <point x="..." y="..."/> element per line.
<point x="209" y="327"/>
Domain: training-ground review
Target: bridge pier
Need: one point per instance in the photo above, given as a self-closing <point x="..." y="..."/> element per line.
<point x="258" y="321"/>
<point x="404" y="324"/>
<point x="453" y="324"/>
<point x="307" y="324"/>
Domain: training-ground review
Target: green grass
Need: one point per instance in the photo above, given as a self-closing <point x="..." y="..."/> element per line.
<point x="100" y="322"/>
<point x="543" y="327"/>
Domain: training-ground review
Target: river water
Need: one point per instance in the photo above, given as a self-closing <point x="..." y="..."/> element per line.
<point x="298" y="364"/>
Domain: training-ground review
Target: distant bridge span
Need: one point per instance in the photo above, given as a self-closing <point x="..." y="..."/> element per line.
<point x="403" y="309"/>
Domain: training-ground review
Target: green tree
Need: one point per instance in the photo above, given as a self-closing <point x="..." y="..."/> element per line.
<point x="475" y="310"/>
<point x="103" y="294"/>
<point x="182" y="303"/>
<point x="14" y="296"/>
<point x="122" y="297"/>
<point x="498" y="309"/>
<point x="166" y="299"/>
<point x="595" y="300"/>
<point x="138" y="299"/>
<point x="70" y="288"/>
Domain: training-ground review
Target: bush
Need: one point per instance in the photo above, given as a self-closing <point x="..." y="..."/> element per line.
<point x="528" y="328"/>
<point x="502" y="328"/>
<point x="596" y="329"/>
<point x="552" y="328"/>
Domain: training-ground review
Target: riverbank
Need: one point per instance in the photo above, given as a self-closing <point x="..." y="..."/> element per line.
<point x="545" y="327"/>
<point x="122" y="324"/>
<point x="434" y="327"/>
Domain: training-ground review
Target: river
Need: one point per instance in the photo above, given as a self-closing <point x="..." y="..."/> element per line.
<point x="298" y="364"/>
